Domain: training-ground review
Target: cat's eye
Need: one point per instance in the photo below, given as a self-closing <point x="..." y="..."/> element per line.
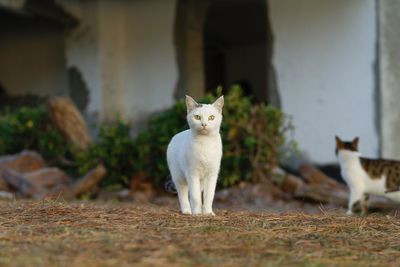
<point x="211" y="118"/>
<point x="197" y="117"/>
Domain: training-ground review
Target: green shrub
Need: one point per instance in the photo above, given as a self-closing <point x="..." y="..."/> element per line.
<point x="29" y="128"/>
<point x="115" y="149"/>
<point x="124" y="156"/>
<point x="252" y="137"/>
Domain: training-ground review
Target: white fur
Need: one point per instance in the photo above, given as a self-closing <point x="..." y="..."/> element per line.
<point x="358" y="180"/>
<point x="194" y="157"/>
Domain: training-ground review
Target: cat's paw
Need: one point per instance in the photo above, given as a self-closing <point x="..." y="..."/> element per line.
<point x="208" y="213"/>
<point x="187" y="212"/>
<point x="349" y="212"/>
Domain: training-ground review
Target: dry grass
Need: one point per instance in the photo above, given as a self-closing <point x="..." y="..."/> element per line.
<point x="52" y="233"/>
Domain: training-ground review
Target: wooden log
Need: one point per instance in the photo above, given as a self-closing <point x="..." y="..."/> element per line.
<point x="322" y="194"/>
<point x="338" y="196"/>
<point x="286" y="182"/>
<point x="67" y="118"/>
<point x="312" y="175"/>
<point x="3" y="184"/>
<point x="21" y="184"/>
<point x="291" y="183"/>
<point x="321" y="188"/>
<point x="48" y="177"/>
<point x="89" y="181"/>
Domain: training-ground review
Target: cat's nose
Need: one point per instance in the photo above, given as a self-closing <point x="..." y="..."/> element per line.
<point x="204" y="125"/>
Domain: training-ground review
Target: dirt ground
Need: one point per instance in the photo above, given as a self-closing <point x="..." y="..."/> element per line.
<point x="58" y="233"/>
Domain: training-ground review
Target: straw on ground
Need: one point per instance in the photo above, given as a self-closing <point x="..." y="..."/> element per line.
<point x="49" y="233"/>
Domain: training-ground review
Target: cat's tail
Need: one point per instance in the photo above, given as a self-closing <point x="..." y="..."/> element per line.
<point x="170" y="186"/>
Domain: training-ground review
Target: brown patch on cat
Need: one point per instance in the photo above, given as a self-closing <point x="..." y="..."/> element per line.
<point x="377" y="168"/>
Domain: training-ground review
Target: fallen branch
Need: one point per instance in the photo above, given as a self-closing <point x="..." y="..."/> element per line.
<point x="312" y="175"/>
<point x="322" y="194"/>
<point x="89" y="181"/>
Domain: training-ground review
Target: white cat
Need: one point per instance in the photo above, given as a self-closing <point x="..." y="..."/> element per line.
<point x="194" y="157"/>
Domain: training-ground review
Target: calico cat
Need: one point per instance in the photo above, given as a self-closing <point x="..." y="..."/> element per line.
<point x="194" y="157"/>
<point x="366" y="176"/>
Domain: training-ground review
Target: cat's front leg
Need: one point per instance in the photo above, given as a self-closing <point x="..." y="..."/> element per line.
<point x="183" y="195"/>
<point x="195" y="194"/>
<point x="209" y="192"/>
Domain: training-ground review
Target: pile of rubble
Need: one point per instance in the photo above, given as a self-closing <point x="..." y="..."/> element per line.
<point x="27" y="175"/>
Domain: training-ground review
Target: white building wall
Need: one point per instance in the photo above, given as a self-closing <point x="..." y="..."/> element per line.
<point x="151" y="62"/>
<point x="324" y="53"/>
<point x="82" y="49"/>
<point x="126" y="54"/>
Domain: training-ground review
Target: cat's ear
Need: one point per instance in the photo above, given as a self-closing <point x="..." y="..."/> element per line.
<point x="219" y="103"/>
<point x="339" y="144"/>
<point x="338" y="141"/>
<point x="354" y="143"/>
<point x="190" y="104"/>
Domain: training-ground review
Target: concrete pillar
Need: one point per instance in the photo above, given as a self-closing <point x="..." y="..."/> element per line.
<point x="125" y="52"/>
<point x="189" y="35"/>
<point x="112" y="58"/>
<point x="389" y="69"/>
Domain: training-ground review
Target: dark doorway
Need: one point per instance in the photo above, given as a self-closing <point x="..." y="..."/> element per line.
<point x="237" y="46"/>
<point x="32" y="50"/>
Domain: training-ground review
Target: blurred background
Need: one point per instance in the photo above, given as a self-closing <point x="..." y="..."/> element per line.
<point x="332" y="66"/>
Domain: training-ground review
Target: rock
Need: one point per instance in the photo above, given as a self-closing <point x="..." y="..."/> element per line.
<point x="22" y="185"/>
<point x="67" y="118"/>
<point x="3" y="184"/>
<point x="6" y="195"/>
<point x="48" y="177"/>
<point x="26" y="161"/>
